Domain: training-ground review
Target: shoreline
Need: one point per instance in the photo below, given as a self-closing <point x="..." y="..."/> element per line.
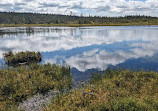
<point x="74" y="25"/>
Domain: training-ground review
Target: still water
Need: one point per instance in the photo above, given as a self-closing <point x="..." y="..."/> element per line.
<point x="86" y="48"/>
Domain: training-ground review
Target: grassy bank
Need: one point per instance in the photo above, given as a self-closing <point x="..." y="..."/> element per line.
<point x="115" y="91"/>
<point x="20" y="83"/>
<point x="76" y="25"/>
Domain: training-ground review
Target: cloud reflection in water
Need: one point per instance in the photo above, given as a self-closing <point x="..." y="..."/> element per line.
<point x="140" y="41"/>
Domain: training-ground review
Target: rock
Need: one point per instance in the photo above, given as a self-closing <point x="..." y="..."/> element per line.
<point x="37" y="102"/>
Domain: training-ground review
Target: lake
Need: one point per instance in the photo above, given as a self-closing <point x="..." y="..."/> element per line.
<point x="87" y="48"/>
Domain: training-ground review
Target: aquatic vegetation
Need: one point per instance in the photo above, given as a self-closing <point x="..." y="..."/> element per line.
<point x="21" y="58"/>
<point x="119" y="90"/>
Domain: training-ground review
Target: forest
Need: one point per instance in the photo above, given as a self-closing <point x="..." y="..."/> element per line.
<point x="38" y="18"/>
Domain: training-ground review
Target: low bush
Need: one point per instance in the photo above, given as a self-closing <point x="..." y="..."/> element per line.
<point x="120" y="90"/>
<point x="18" y="84"/>
<point x="128" y="104"/>
<point x="22" y="58"/>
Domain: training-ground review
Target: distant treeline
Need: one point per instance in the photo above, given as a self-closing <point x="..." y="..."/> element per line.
<point x="38" y="18"/>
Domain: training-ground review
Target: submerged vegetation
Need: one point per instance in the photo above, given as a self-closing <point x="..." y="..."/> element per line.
<point x="37" y="19"/>
<point x="121" y="90"/>
<point x="21" y="82"/>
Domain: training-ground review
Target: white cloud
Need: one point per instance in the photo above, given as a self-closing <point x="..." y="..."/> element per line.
<point x="53" y="39"/>
<point x="142" y="41"/>
<point x="101" y="59"/>
<point x="104" y="7"/>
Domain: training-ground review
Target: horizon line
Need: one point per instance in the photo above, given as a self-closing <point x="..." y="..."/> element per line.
<point x="76" y="15"/>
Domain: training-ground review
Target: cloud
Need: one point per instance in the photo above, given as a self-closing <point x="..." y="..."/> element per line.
<point x="53" y="39"/>
<point x="48" y="5"/>
<point x="77" y="5"/>
<point x="105" y="44"/>
<point x="105" y="7"/>
<point x="101" y="59"/>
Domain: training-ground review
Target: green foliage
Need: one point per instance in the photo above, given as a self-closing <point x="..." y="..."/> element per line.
<point x="18" y="84"/>
<point x="125" y="104"/>
<point x="95" y="77"/>
<point x="20" y="58"/>
<point x="122" y="90"/>
<point x="128" y="104"/>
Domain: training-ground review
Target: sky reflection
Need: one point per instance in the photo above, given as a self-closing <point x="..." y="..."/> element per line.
<point x="85" y="47"/>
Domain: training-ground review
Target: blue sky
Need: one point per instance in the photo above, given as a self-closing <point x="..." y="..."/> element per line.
<point x="86" y="7"/>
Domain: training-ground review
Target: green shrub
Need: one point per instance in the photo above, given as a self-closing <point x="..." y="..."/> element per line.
<point x="21" y="58"/>
<point x="95" y="77"/>
<point x="119" y="90"/>
<point x="18" y="84"/>
<point x="128" y="104"/>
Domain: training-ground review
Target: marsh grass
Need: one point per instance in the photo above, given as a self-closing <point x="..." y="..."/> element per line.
<point x="20" y="83"/>
<point x="119" y="90"/>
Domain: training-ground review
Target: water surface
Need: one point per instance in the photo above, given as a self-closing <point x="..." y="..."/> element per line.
<point x="86" y="48"/>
